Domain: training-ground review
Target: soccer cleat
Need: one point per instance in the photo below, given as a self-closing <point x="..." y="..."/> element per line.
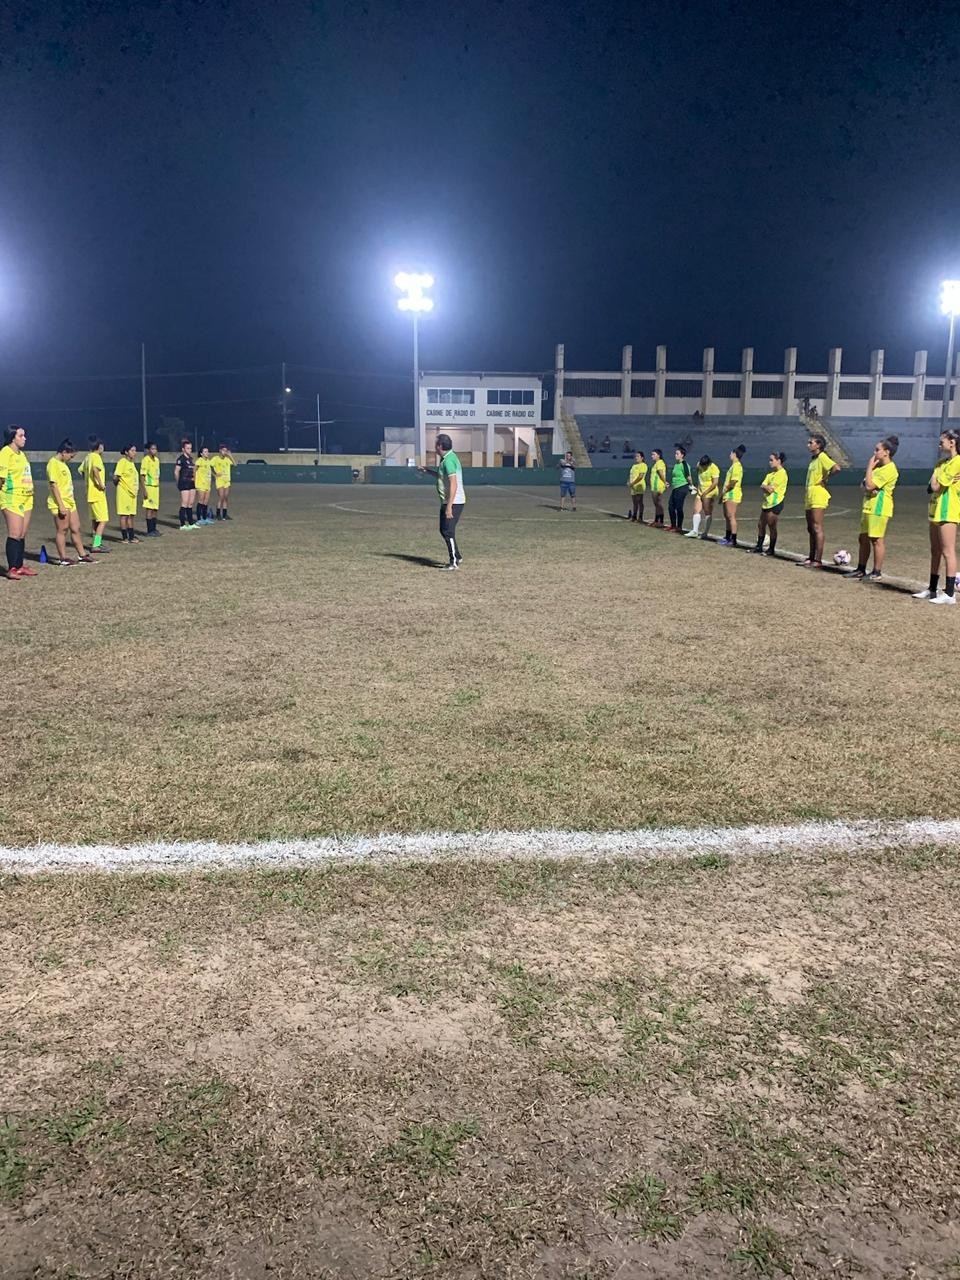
<point x="925" y="594"/>
<point x="446" y="568"/>
<point x="86" y="559"/>
<point x="804" y="564"/>
<point x="856" y="573"/>
<point x="770" y="552"/>
<point x="755" y="551"/>
<point x="692" y="533"/>
<point x="873" y="576"/>
<point x="26" y="572"/>
<point x="724" y="542"/>
<point x="61" y="564"/>
<point x="942" y="598"/>
<point x="459" y="561"/>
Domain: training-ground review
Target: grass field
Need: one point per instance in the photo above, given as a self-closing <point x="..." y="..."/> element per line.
<point x="501" y="1071"/>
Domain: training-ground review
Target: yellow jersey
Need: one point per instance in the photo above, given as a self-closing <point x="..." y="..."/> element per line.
<point x="150" y="475"/>
<point x="222" y="467"/>
<point x="58" y="473"/>
<point x="638" y="477"/>
<point x="658" y="476"/>
<point x="817" y="496"/>
<point x="92" y="467"/>
<point x="127" y="477"/>
<point x="884" y="481"/>
<point x="778" y="482"/>
<point x="732" y="482"/>
<point x="944" y="507"/>
<point x="16" y="478"/>
<point x="203" y="469"/>
<point x="708" y="479"/>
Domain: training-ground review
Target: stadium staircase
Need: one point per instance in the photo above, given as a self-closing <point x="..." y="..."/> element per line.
<point x="571" y="431"/>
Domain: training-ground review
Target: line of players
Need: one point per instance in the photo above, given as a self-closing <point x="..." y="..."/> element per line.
<point x="879" y="483"/>
<point x="193" y="476"/>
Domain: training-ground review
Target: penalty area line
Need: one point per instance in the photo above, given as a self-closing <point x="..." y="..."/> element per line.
<point x="642" y="845"/>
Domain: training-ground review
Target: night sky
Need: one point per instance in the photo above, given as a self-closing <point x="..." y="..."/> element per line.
<point x="236" y="184"/>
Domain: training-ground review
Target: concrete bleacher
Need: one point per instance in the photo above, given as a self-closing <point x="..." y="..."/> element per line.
<point x="761" y="435"/>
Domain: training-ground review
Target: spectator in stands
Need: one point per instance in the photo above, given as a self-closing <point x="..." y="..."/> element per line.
<point x="732" y="495"/>
<point x="627" y="448"/>
<point x="658" y="485"/>
<point x="605" y="445"/>
<point x="592" y="445"/>
<point x="698" y="416"/>
<point x="817" y="497"/>
<point x="878" y="486"/>
<point x="568" y="481"/>
<point x="774" y="492"/>
<point x="681" y="483"/>
<point x="637" y="485"/>
<point x="708" y="486"/>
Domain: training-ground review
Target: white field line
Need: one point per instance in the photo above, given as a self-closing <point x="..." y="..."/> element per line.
<point x="855" y="837"/>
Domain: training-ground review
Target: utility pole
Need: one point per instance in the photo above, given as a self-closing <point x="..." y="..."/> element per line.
<point x="143" y="388"/>
<point x="319" y="431"/>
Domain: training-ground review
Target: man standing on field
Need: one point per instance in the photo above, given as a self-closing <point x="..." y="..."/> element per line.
<point x="449" y="476"/>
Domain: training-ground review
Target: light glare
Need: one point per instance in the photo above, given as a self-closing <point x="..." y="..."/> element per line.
<point x="412" y="284"/>
<point x="950" y="297"/>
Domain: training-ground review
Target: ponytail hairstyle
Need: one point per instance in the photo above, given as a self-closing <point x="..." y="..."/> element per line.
<point x="659" y="453"/>
<point x="681" y="449"/>
<point x="953" y="437"/>
<point x="705" y="461"/>
<point x="94" y="443"/>
<point x="640" y="454"/>
<point x="66" y="446"/>
<point x="819" y="440"/>
<point x="891" y="444"/>
<point x="740" y="450"/>
<point x="783" y="459"/>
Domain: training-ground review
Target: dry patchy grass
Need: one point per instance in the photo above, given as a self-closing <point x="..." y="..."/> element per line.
<point x="526" y="1071"/>
<point x="294" y="674"/>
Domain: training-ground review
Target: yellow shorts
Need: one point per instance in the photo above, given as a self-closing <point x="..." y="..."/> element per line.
<point x="55" y="510"/>
<point x="99" y="511"/>
<point x="126" y="506"/>
<point x="817" y="501"/>
<point x="873" y="526"/>
<point x="20" y="504"/>
<point x="733" y="495"/>
<point x="151" y="502"/>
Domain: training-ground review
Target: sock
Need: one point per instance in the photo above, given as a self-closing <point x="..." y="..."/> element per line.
<point x="733" y="538"/>
<point x="190" y="516"/>
<point x="202" y="510"/>
<point x="696" y="522"/>
<point x="950" y="585"/>
<point x="151" y="524"/>
<point x="183" y="516"/>
<point x="21" y="549"/>
<point x="12" y="547"/>
<point x="97" y="540"/>
<point x="934" y="582"/>
<point x="219" y="515"/>
<point x="707" y="522"/>
<point x="773" y="542"/>
<point x="861" y="566"/>
<point x="760" y="542"/>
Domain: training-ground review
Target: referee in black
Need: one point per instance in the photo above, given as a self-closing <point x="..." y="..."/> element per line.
<point x="184" y="472"/>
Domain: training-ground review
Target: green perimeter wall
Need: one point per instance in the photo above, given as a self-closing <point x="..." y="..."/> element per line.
<point x="609" y="476"/>
<point x="247" y="473"/>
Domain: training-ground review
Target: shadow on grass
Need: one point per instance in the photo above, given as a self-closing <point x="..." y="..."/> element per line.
<point x="423" y="561"/>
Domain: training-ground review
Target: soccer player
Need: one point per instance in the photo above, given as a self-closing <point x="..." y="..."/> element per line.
<point x="680" y="486"/>
<point x="568" y="481"/>
<point x="95" y="473"/>
<point x="817" y="498"/>
<point x="637" y="484"/>
<point x="150" y="488"/>
<point x="184" y="473"/>
<point x="774" y="489"/>
<point x="127" y="479"/>
<point x="449" y="476"/>
<point x="708" y="486"/>
<point x="203" y="472"/>
<point x="62" y="505"/>
<point x="944" y="516"/>
<point x="658" y="485"/>
<point x="223" y="464"/>
<point x="732" y="495"/>
<point x="16" y="500"/>
<point x="878" y="486"/>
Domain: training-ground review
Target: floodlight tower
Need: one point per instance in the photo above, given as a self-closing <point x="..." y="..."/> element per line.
<point x="950" y="306"/>
<point x="415" y="300"/>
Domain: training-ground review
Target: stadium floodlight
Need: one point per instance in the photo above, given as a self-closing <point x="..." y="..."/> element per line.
<point x="950" y="306"/>
<point x="413" y="286"/>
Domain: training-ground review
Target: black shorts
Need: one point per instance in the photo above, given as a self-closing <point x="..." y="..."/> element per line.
<point x="774" y="511"/>
<point x="186" y="486"/>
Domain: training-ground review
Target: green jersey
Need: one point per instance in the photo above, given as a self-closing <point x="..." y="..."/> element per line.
<point x="450" y="466"/>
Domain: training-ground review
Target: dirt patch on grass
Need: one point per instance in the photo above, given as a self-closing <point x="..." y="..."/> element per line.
<point x="529" y="1071"/>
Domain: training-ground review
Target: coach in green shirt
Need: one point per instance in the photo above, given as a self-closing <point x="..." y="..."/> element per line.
<point x="449" y="476"/>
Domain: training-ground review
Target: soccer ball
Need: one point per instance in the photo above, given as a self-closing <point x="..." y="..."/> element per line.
<point x="841" y="557"/>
